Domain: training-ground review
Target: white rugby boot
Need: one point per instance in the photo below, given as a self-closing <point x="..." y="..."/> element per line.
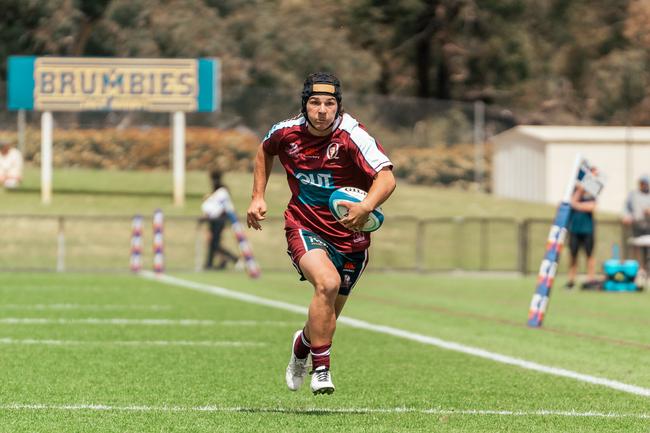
<point x="321" y="381"/>
<point x="297" y="368"/>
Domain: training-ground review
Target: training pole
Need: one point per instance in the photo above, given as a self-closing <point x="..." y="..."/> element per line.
<point x="136" y="244"/>
<point x="158" y="243"/>
<point x="554" y="244"/>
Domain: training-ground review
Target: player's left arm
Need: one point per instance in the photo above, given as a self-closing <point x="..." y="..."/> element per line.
<point x="382" y="187"/>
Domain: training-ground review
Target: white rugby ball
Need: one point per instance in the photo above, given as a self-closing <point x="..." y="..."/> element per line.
<point x="355" y="195"/>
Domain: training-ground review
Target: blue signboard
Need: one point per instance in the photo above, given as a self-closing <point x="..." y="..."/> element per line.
<point x="112" y="84"/>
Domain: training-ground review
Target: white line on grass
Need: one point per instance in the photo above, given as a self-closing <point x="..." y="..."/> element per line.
<point x="88" y="307"/>
<point x="31" y="341"/>
<point x="315" y="410"/>
<point x="396" y="332"/>
<point x="148" y="322"/>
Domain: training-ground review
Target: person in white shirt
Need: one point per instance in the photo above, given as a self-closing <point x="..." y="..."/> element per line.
<point x="636" y="214"/>
<point x="11" y="165"/>
<point x="214" y="212"/>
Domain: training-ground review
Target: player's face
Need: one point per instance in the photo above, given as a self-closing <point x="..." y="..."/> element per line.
<point x="321" y="110"/>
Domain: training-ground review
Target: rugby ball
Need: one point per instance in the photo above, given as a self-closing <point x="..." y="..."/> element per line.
<point x="355" y="195"/>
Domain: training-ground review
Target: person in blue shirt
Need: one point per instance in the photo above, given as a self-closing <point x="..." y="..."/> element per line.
<point x="582" y="236"/>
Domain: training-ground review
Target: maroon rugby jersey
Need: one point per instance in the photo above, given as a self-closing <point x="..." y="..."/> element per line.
<point x="316" y="166"/>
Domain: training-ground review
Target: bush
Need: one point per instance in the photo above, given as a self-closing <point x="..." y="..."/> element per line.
<point x="145" y="148"/>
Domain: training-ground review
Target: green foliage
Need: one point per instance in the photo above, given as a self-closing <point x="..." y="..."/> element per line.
<point x="524" y="54"/>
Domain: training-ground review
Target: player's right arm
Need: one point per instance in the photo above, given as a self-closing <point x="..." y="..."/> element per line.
<point x="582" y="206"/>
<point x="261" y="172"/>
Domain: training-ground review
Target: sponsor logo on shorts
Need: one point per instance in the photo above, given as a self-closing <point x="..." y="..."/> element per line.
<point x="349" y="266"/>
<point x="316" y="241"/>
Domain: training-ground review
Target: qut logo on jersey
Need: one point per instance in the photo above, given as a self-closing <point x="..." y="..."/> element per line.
<point x="315" y="186"/>
<point x="323" y="180"/>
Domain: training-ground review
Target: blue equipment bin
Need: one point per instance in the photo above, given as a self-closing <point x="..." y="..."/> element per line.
<point x="620" y="275"/>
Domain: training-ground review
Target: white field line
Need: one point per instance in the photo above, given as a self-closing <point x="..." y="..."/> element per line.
<point x="85" y="307"/>
<point x="147" y="322"/>
<point x="31" y="341"/>
<point x="313" y="410"/>
<point x="396" y="332"/>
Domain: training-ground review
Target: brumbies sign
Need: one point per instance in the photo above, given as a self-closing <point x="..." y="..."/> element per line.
<point x="107" y="84"/>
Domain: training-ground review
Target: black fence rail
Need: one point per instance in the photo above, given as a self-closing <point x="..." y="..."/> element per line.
<point x="103" y="243"/>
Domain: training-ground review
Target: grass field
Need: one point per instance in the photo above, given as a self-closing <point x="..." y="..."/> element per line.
<point x="99" y="352"/>
<point x="84" y="191"/>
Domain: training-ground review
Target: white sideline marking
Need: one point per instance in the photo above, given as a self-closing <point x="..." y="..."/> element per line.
<point x="311" y="410"/>
<point x="31" y="341"/>
<point x="89" y="307"/>
<point x="396" y="332"/>
<point x="151" y="322"/>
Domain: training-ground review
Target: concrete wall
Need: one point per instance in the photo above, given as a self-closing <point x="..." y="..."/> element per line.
<point x="519" y="169"/>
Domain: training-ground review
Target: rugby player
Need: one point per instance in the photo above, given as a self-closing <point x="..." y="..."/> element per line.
<point x="322" y="149"/>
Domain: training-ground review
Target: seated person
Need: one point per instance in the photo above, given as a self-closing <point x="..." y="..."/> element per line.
<point x="11" y="165"/>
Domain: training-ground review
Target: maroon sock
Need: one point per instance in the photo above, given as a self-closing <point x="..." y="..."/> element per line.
<point x="320" y="356"/>
<point x="302" y="346"/>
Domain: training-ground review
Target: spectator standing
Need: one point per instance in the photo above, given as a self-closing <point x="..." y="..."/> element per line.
<point x="636" y="215"/>
<point x="214" y="212"/>
<point x="582" y="231"/>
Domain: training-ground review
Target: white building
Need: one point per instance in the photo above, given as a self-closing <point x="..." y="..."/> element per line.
<point x="534" y="162"/>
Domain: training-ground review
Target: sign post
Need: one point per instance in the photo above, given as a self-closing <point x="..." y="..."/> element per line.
<point x="46" y="157"/>
<point x="178" y="132"/>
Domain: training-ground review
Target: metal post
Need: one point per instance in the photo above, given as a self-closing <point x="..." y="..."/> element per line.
<point x="523" y="247"/>
<point x="479" y="142"/>
<point x="483" y="244"/>
<point x="47" y="124"/>
<point x="21" y="131"/>
<point x="60" y="246"/>
<point x="419" y="245"/>
<point x="459" y="242"/>
<point x="198" y="247"/>
<point x="625" y="248"/>
<point x="178" y="135"/>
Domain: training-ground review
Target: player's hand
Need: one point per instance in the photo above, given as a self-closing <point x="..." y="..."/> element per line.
<point x="357" y="215"/>
<point x="256" y="213"/>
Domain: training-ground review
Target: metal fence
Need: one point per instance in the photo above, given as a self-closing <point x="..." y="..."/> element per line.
<point x="102" y="243"/>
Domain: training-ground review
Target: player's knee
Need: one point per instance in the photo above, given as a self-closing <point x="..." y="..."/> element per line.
<point x="328" y="286"/>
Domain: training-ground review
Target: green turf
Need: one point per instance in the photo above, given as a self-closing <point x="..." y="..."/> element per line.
<point x="85" y="191"/>
<point x="590" y="333"/>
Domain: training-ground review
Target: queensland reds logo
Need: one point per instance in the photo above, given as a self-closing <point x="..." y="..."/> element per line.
<point x="332" y="151"/>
